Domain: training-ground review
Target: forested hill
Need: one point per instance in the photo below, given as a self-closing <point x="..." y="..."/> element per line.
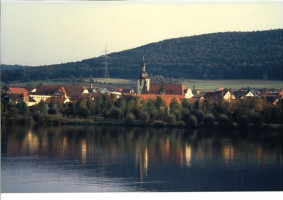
<point x="230" y="55"/>
<point x="13" y="67"/>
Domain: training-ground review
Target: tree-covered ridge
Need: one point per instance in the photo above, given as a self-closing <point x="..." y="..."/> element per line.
<point x="230" y="55"/>
<point x="13" y="67"/>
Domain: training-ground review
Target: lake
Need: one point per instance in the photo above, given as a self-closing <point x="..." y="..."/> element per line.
<point x="123" y="159"/>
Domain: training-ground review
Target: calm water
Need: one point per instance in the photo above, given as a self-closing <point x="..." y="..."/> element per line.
<point x="98" y="159"/>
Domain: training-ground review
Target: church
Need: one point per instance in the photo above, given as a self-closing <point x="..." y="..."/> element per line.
<point x="166" y="91"/>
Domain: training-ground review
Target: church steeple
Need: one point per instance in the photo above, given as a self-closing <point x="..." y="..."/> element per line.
<point x="143" y="81"/>
<point x="143" y="65"/>
<point x="143" y="73"/>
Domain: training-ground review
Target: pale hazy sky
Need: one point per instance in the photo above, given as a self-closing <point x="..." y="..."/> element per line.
<point x="49" y="32"/>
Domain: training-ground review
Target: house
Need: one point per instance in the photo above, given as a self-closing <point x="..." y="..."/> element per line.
<point x="272" y="99"/>
<point x="219" y="95"/>
<point x="241" y="94"/>
<point x="31" y="102"/>
<point x="128" y="91"/>
<point x="57" y="100"/>
<point x="44" y="92"/>
<point x="104" y="90"/>
<point x="115" y="91"/>
<point x="17" y="95"/>
<point x="75" y="92"/>
<point x="189" y="93"/>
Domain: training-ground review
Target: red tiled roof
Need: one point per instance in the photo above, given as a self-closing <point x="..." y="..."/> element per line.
<point x="14" y="97"/>
<point x="18" y="90"/>
<point x="56" y="100"/>
<point x="166" y="98"/>
<point x="169" y="89"/>
<point x="75" y="90"/>
<point x="193" y="99"/>
<point x="50" y="89"/>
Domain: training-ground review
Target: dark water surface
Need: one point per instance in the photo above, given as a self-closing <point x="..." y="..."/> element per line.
<point x="98" y="159"/>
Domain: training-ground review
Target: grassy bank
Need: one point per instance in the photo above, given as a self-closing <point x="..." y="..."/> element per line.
<point x="234" y="84"/>
<point x="98" y="81"/>
<point x="199" y="84"/>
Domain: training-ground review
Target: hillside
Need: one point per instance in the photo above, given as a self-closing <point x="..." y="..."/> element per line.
<point x="13" y="67"/>
<point x="230" y="55"/>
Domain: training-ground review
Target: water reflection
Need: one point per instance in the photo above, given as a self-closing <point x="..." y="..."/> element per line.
<point x="157" y="159"/>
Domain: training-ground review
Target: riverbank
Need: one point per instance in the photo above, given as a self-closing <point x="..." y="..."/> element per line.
<point x="57" y="120"/>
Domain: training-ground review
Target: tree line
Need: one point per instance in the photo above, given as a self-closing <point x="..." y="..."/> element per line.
<point x="130" y="109"/>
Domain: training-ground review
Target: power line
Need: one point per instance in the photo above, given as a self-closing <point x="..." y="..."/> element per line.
<point x="106" y="71"/>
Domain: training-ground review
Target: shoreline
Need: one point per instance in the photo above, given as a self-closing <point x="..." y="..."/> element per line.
<point x="156" y="124"/>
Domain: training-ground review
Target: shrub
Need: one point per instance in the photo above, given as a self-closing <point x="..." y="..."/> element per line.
<point x="83" y="112"/>
<point x="13" y="112"/>
<point x="130" y="118"/>
<point x="52" y="111"/>
<point x="171" y="119"/>
<point x="49" y="119"/>
<point x="208" y="120"/>
<point x="116" y="113"/>
<point x="223" y="121"/>
<point x="144" y="116"/>
<point x="178" y="115"/>
<point x="243" y="122"/>
<point x="185" y="115"/>
<point x="192" y="121"/>
<point x="199" y="116"/>
<point x="257" y="119"/>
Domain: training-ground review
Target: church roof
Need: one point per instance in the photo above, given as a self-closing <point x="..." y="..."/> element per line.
<point x="167" y="88"/>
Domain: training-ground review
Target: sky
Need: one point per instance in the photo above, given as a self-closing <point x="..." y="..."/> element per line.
<point x="51" y="32"/>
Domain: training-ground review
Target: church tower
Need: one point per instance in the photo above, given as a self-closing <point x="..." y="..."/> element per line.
<point x="143" y="82"/>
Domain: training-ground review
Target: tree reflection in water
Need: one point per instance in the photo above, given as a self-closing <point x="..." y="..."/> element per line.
<point x="144" y="154"/>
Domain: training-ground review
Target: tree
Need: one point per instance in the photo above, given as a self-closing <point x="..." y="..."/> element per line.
<point x="243" y="122"/>
<point x="174" y="106"/>
<point x="130" y="118"/>
<point x="41" y="107"/>
<point x="151" y="109"/>
<point x="257" y="119"/>
<point x="192" y="121"/>
<point x="121" y="103"/>
<point x="171" y="120"/>
<point x="83" y="112"/>
<point x="144" y="116"/>
<point x="223" y="121"/>
<point x="116" y="113"/>
<point x="159" y="102"/>
<point x="13" y="112"/>
<point x="208" y="121"/>
<point x="194" y="91"/>
<point x="22" y="107"/>
<point x="52" y="108"/>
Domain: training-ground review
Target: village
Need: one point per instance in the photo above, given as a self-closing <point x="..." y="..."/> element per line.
<point x="70" y="93"/>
